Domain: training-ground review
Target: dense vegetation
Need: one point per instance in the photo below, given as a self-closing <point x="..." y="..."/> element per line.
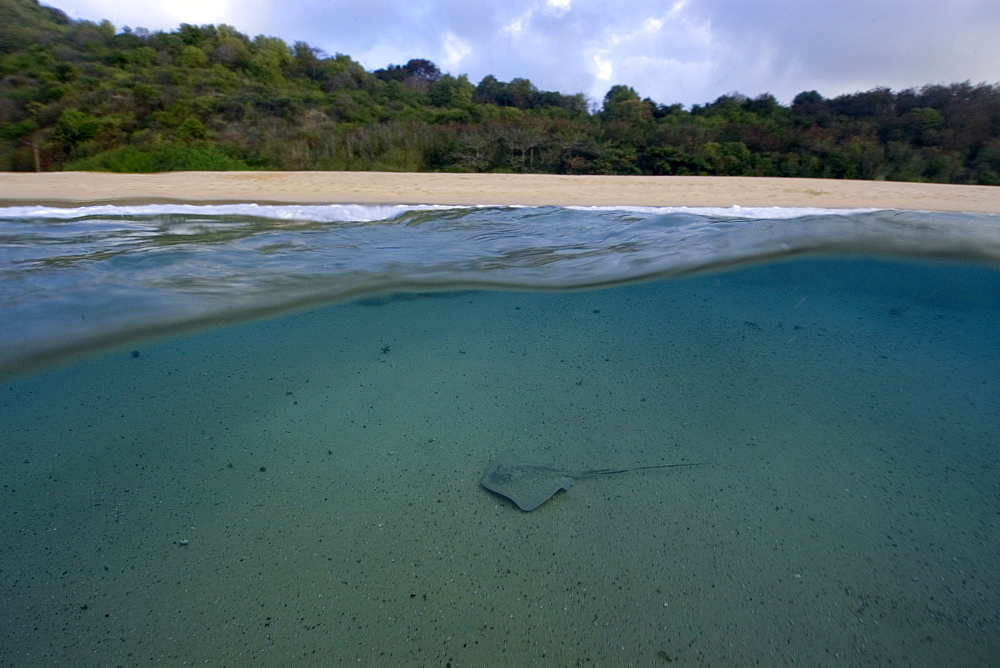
<point x="81" y="95"/>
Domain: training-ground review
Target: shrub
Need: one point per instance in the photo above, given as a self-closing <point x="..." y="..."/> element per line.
<point x="162" y="158"/>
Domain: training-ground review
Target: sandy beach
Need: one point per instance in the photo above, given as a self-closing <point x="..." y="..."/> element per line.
<point x="76" y="188"/>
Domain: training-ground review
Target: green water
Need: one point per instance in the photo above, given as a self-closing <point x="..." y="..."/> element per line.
<point x="306" y="487"/>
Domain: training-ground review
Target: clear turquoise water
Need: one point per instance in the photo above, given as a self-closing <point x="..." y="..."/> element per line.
<point x="305" y="486"/>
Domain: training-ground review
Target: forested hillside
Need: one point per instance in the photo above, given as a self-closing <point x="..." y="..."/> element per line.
<point x="80" y="95"/>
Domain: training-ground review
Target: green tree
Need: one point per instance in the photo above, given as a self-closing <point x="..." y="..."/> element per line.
<point x="192" y="57"/>
<point x="449" y="91"/>
<point x="619" y="94"/>
<point x="269" y="58"/>
<point x="75" y="127"/>
<point x="492" y="91"/>
<point x="191" y="128"/>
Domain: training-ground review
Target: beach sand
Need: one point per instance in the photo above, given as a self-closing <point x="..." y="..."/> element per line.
<point x="75" y="188"/>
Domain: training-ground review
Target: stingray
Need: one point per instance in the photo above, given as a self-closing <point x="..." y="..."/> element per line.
<point x="529" y="485"/>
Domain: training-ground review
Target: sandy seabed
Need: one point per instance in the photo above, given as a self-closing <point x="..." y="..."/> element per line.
<point x="305" y="489"/>
<point x="74" y="188"/>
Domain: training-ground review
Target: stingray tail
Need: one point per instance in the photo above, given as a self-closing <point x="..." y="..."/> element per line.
<point x="642" y="468"/>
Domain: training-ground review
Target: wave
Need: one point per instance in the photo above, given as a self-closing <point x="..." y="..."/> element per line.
<point x="368" y="212"/>
<point x="79" y="279"/>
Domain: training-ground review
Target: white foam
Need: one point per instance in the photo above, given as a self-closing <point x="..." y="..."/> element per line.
<point x="735" y="211"/>
<point x="321" y="213"/>
<point x="367" y="212"/>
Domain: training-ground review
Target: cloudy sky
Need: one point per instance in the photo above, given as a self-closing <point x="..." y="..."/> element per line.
<point x="686" y="51"/>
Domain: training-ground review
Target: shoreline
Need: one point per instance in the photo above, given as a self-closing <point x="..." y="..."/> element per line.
<point x="87" y="188"/>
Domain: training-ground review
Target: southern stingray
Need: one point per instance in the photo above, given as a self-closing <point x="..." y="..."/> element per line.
<point x="529" y="485"/>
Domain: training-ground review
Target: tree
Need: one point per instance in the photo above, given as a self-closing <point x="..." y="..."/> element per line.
<point x="492" y="91"/>
<point x="75" y="127"/>
<point x="308" y="61"/>
<point x="623" y="106"/>
<point x="448" y="91"/>
<point x="765" y="105"/>
<point x="192" y="57"/>
<point x="523" y="93"/>
<point x="423" y="70"/>
<point x="805" y="99"/>
<point x="619" y="94"/>
<point x="191" y="128"/>
<point x="269" y="58"/>
<point x="418" y="74"/>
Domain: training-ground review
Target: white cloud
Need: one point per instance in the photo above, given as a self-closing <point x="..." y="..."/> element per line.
<point x="677" y="7"/>
<point x="525" y="20"/>
<point x="197" y="12"/>
<point x="515" y="27"/>
<point x="455" y="49"/>
<point x="558" y="7"/>
<point x="603" y="68"/>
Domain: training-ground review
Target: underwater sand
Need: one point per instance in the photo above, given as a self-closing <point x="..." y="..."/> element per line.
<point x="306" y="488"/>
